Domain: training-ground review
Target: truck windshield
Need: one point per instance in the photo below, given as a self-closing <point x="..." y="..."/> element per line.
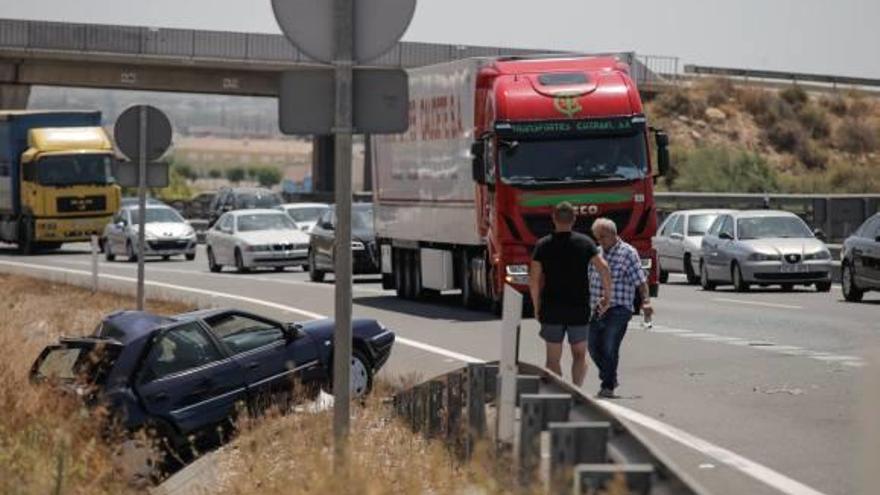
<point x="70" y="170"/>
<point x="584" y="158"/>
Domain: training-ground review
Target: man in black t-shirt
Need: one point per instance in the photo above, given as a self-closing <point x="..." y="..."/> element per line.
<point x="560" y="289"/>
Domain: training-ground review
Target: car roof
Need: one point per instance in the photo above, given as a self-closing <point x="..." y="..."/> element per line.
<point x="356" y="206"/>
<point x="259" y="190"/>
<point x="149" y="206"/>
<point x="305" y="205"/>
<point x="764" y="213"/>
<point x="703" y="211"/>
<point x="255" y="210"/>
<point x="128" y="326"/>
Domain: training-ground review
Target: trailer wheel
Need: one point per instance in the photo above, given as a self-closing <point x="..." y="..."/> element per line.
<point x="468" y="298"/>
<point x="399" y="275"/>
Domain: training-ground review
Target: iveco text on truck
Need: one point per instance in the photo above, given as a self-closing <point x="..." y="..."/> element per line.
<point x="493" y="144"/>
<point x="56" y="182"/>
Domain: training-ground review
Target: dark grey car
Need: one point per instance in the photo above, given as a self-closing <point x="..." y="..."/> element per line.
<point x="860" y="262"/>
<point x="365" y="254"/>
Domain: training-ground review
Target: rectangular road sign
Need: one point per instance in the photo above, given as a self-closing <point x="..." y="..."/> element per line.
<point x="126" y="174"/>
<point x="307" y="101"/>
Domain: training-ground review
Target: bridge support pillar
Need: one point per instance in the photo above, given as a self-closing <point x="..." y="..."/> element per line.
<point x="14" y="96"/>
<point x="323" y="177"/>
<point x="368" y="163"/>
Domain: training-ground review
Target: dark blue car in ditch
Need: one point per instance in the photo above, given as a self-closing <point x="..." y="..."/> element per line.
<point x="185" y="377"/>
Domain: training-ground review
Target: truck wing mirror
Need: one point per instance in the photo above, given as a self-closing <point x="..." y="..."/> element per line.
<point x="662" y="141"/>
<point x="478" y="164"/>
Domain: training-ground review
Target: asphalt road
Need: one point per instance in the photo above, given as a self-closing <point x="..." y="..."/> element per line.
<point x="748" y="393"/>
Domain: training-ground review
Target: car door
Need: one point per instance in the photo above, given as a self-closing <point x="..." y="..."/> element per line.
<point x="188" y="380"/>
<point x="710" y="245"/>
<point x="223" y="240"/>
<point x="868" y="247"/>
<point x="661" y="242"/>
<point x="726" y="250"/>
<point x="273" y="358"/>
<point x="675" y="245"/>
<point x="322" y="239"/>
<point x="119" y="234"/>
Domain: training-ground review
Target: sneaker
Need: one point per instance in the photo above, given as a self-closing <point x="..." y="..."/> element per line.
<point x="606" y="393"/>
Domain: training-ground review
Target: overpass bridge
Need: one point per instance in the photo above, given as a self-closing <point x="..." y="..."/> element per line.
<point x="198" y="61"/>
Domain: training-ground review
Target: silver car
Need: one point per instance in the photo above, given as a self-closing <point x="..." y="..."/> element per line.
<point x="305" y="214"/>
<point x="249" y="239"/>
<point x="166" y="234"/>
<point x="678" y="242"/>
<point x="763" y="247"/>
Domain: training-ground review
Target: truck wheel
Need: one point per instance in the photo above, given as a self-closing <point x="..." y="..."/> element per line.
<point x="468" y="298"/>
<point x="399" y="276"/>
<point x="416" y="275"/>
<point x="26" y="244"/>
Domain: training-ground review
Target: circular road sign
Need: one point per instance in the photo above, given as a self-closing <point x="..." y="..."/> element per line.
<point x="127" y="132"/>
<point x="378" y="25"/>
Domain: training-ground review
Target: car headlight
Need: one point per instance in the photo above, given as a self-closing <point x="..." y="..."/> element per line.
<point x="357" y="245"/>
<point x="257" y="248"/>
<point x="818" y="255"/>
<point x="764" y="257"/>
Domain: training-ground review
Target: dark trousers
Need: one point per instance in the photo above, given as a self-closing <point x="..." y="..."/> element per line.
<point x="606" y="334"/>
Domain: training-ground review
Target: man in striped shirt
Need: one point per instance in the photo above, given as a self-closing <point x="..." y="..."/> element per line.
<point x="608" y="329"/>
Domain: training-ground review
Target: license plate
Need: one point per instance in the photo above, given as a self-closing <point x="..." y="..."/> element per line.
<point x="793" y="268"/>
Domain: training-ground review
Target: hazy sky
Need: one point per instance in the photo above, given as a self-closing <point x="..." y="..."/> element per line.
<point x="825" y="36"/>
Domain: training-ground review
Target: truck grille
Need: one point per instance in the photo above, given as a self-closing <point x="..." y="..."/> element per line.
<point x="72" y="204"/>
<point x="542" y="225"/>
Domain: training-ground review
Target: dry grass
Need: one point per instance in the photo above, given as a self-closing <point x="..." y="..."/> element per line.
<point x="48" y="443"/>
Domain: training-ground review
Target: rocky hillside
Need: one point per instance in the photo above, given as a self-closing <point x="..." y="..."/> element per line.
<point x="741" y="138"/>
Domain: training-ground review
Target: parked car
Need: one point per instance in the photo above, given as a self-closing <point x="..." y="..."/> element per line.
<point x="249" y="239"/>
<point x="365" y="254"/>
<point x="184" y="376"/>
<point x="305" y="215"/>
<point x="860" y="260"/>
<point x="166" y="234"/>
<point x="763" y="247"/>
<point x="241" y="198"/>
<point x="678" y="242"/>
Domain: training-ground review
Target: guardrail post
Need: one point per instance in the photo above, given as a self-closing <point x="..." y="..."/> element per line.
<point x="530" y="426"/>
<point x="476" y="405"/>
<point x="527" y="384"/>
<point x="453" y="406"/>
<point x="491" y="380"/>
<point x="598" y="478"/>
<point x="576" y="443"/>
<point x="435" y="408"/>
<point x="556" y="408"/>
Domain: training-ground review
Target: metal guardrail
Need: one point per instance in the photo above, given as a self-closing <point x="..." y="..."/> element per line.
<point x="588" y="445"/>
<point x="837" y="215"/>
<point x="793" y="77"/>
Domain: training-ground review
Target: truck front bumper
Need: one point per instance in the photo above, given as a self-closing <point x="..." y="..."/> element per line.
<point x="69" y="229"/>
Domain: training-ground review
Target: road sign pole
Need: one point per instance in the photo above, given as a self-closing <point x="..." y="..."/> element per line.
<point x="142" y="203"/>
<point x="343" y="17"/>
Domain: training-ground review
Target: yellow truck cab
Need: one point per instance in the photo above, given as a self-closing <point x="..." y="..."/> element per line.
<point x="56" y="181"/>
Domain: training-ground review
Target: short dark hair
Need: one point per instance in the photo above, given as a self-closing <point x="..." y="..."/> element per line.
<point x="564" y="213"/>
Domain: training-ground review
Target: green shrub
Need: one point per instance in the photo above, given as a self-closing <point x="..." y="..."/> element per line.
<point x="679" y="102"/>
<point x="787" y="136"/>
<point x="856" y="136"/>
<point x="766" y="107"/>
<point x="718" y="90"/>
<point x="794" y="96"/>
<point x="815" y="121"/>
<point x="235" y="174"/>
<point x="721" y="169"/>
<point x="267" y="176"/>
<point x="812" y="155"/>
<point x="214" y="173"/>
<point x="185" y="170"/>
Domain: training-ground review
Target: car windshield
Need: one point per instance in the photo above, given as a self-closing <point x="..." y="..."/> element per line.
<point x="157" y="215"/>
<point x="264" y="221"/>
<point x="584" y="158"/>
<point x="699" y="224"/>
<point x="772" y="227"/>
<point x="250" y="201"/>
<point x="361" y="219"/>
<point x="308" y="214"/>
<point x="69" y="170"/>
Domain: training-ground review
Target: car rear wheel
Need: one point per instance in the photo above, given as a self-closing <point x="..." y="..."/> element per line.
<point x="315" y="275"/>
<point x="739" y="284"/>
<point x="212" y="262"/>
<point x="705" y="282"/>
<point x="823" y="286"/>
<point x="692" y="278"/>
<point x="851" y="291"/>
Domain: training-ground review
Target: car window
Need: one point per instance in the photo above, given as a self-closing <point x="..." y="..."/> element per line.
<point x="667" y="226"/>
<point x="241" y="333"/>
<point x="180" y="349"/>
<point x="772" y="227"/>
<point x="306" y="214"/>
<point x="225" y="222"/>
<point x="327" y="217"/>
<point x="254" y="200"/>
<point x="158" y="215"/>
<point x="716" y="227"/>
<point x="699" y="224"/>
<point x="264" y="221"/>
<point x="678" y="226"/>
<point x="726" y="226"/>
<point x="870" y="229"/>
<point x="362" y="218"/>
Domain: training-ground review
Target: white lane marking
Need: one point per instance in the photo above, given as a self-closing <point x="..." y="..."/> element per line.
<point x="298" y="283"/>
<point x="308" y="314"/>
<point x="750" y="468"/>
<point x="757" y="303"/>
<point x="761" y="473"/>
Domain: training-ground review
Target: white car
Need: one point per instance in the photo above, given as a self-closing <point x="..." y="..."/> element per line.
<point x="166" y="234"/>
<point x="305" y="214"/>
<point x="678" y="242"/>
<point x="249" y="239"/>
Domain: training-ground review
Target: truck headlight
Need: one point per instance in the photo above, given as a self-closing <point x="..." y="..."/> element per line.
<point x="517" y="274"/>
